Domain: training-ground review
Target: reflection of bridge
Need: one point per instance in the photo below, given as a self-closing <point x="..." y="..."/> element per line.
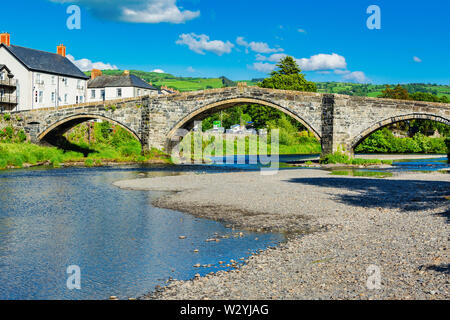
<point x="336" y="120"/>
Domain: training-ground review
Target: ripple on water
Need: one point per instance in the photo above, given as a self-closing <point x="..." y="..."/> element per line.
<point x="50" y="219"/>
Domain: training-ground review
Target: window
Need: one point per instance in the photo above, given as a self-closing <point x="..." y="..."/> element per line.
<point x="79" y="85"/>
<point x="76" y="100"/>
<point x="102" y="92"/>
<point x="53" y="97"/>
<point x="139" y="92"/>
<point x="41" y="96"/>
<point x="53" y="80"/>
<point x="119" y="93"/>
<point x="64" y="80"/>
<point x="2" y="76"/>
<point x="36" y="96"/>
<point x="92" y="94"/>
<point x="81" y="99"/>
<point x="65" y="98"/>
<point x="39" y="79"/>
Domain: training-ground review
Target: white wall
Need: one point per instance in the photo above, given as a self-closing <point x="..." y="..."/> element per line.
<point x="22" y="76"/>
<point x="52" y="85"/>
<point x="28" y="86"/>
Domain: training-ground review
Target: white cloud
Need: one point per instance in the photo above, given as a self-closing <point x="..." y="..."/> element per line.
<point x="263" y="67"/>
<point x="158" y="71"/>
<point x="87" y="65"/>
<point x="417" y="59"/>
<point x="341" y="71"/>
<point x="145" y="11"/>
<point x="190" y="69"/>
<point x="276" y="57"/>
<point x="322" y="61"/>
<point x="260" y="47"/>
<point x="357" y="76"/>
<point x="301" y="30"/>
<point x="200" y="43"/>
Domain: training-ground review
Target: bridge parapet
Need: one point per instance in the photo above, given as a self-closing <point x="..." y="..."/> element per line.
<point x="338" y="121"/>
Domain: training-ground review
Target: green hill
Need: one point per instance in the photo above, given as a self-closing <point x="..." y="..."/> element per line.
<point x="184" y="84"/>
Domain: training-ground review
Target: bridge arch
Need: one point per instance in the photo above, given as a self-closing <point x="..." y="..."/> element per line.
<point x="381" y="124"/>
<point x="63" y="125"/>
<point x="204" y="111"/>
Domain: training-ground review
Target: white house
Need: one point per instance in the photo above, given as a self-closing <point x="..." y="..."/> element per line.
<point x="105" y="87"/>
<point x="38" y="79"/>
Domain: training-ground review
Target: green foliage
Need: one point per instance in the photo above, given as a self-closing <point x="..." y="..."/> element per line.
<point x="383" y="141"/>
<point x="447" y="144"/>
<point x="9" y="134"/>
<point x="6" y="116"/>
<point x="397" y="93"/>
<point x="356" y="173"/>
<point x="342" y="158"/>
<point x="288" y="77"/>
<point x="108" y="143"/>
<point x="89" y="163"/>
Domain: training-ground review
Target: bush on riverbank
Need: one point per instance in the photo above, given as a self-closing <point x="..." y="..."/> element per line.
<point x="342" y="158"/>
<point x="383" y="141"/>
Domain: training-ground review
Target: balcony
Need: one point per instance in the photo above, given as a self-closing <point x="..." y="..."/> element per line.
<point x="8" y="83"/>
<point x="8" y="99"/>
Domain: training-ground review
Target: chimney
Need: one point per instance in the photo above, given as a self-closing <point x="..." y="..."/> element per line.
<point x="95" y="73"/>
<point x="5" y="38"/>
<point x="61" y="50"/>
<point x="126" y="73"/>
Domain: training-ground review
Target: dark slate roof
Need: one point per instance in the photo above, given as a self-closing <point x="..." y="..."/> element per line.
<point x="47" y="62"/>
<point x="119" y="81"/>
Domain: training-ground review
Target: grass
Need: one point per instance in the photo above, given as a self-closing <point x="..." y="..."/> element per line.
<point x="355" y="173"/>
<point x="108" y="144"/>
<point x="342" y="158"/>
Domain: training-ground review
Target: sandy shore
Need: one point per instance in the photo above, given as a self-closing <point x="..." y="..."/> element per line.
<point x="342" y="225"/>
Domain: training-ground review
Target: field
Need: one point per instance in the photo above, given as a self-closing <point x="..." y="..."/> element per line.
<point x="184" y="84"/>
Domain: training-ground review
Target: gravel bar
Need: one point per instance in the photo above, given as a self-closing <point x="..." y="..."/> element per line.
<point x="338" y="227"/>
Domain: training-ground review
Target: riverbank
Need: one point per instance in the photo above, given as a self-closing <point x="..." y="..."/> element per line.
<point x="26" y="155"/>
<point x="338" y="227"/>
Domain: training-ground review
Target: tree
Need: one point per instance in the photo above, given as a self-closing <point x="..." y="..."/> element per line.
<point x="288" y="77"/>
<point x="397" y="93"/>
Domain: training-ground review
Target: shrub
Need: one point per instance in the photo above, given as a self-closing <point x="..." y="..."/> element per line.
<point x="89" y="163"/>
<point x="337" y="157"/>
<point x="7" y="116"/>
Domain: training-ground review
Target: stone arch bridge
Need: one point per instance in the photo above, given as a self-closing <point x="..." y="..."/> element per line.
<point x="338" y="121"/>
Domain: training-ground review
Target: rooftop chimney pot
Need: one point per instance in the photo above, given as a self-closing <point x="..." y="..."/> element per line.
<point x="5" y="38"/>
<point x="61" y="50"/>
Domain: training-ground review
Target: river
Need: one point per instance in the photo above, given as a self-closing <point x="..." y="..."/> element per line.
<point x="54" y="218"/>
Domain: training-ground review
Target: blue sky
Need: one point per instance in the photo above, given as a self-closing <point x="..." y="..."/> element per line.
<point x="242" y="39"/>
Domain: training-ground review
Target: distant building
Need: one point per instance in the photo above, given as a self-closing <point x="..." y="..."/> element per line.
<point x="238" y="129"/>
<point x="103" y="87"/>
<point x="166" y="90"/>
<point x="32" y="79"/>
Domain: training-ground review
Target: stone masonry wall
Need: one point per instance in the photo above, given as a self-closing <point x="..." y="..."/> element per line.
<point x="339" y="121"/>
